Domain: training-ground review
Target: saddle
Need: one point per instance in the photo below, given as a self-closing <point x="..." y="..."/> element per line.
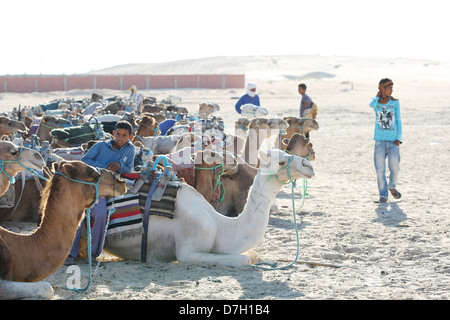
<point x="132" y="211"/>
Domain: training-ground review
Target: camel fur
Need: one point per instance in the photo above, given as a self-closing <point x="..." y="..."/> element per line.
<point x="10" y="152"/>
<point x="11" y="127"/>
<point x="33" y="257"/>
<point x="299" y="125"/>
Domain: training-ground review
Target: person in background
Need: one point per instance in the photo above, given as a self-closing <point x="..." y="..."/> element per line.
<point x="306" y="102"/>
<point x="388" y="137"/>
<point x="135" y="98"/>
<point x="116" y="155"/>
<point x="249" y="97"/>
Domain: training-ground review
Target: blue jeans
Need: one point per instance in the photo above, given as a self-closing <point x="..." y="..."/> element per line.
<point x="99" y="213"/>
<point x="382" y="150"/>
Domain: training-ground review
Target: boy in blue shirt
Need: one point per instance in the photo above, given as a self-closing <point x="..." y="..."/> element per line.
<point x="116" y="155"/>
<point x="250" y="97"/>
<point x="388" y="137"/>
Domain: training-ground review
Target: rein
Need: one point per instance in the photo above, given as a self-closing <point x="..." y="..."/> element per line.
<point x="11" y="179"/>
<point x="218" y="182"/>
<point x="273" y="265"/>
<point x="88" y="218"/>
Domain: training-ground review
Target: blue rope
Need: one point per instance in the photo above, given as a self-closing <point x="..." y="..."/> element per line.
<point x="88" y="220"/>
<point x="273" y="265"/>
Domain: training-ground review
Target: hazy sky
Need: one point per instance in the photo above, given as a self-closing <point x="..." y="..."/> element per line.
<point x="76" y="36"/>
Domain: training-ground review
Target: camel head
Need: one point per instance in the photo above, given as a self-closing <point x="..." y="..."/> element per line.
<point x="109" y="183"/>
<point x="251" y="111"/>
<point x="284" y="166"/>
<point x="209" y="167"/>
<point x="300" y="146"/>
<point x="242" y="123"/>
<point x="8" y="126"/>
<point x="276" y="123"/>
<point x="299" y="124"/>
<point x="147" y="127"/>
<point x="206" y="109"/>
<point x="15" y="158"/>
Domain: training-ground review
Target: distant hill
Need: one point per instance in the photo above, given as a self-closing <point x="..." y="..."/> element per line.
<point x="283" y="67"/>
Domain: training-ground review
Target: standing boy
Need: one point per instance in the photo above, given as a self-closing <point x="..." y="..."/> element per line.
<point x="388" y="137"/>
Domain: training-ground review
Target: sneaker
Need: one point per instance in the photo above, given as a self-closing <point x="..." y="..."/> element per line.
<point x="70" y="261"/>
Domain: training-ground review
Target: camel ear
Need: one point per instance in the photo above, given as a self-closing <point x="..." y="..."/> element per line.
<point x="138" y="121"/>
<point x="285" y="141"/>
<point x="264" y="157"/>
<point x="54" y="166"/>
<point x="69" y="170"/>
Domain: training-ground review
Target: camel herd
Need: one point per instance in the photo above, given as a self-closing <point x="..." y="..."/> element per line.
<point x="225" y="182"/>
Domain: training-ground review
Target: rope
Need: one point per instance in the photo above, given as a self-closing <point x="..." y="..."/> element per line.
<point x="273" y="265"/>
<point x="88" y="219"/>
<point x="218" y="182"/>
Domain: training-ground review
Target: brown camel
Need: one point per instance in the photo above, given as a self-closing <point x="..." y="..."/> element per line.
<point x="48" y="123"/>
<point x="260" y="129"/>
<point x="11" y="127"/>
<point x="13" y="159"/>
<point x="33" y="257"/>
<point x="147" y="127"/>
<point x="241" y="126"/>
<point x="28" y="193"/>
<point x="237" y="183"/>
<point x="207" y="109"/>
<point x="298" y="125"/>
<point x="209" y="167"/>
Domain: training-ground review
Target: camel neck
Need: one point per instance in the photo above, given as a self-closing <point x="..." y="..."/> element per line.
<point x="43" y="252"/>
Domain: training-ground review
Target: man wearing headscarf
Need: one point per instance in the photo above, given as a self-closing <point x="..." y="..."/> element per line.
<point x="249" y="97"/>
<point x="135" y="98"/>
<point x="388" y="137"/>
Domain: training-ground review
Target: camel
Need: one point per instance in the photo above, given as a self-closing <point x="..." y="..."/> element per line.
<point x="47" y="124"/>
<point x="207" y="109"/>
<point x="147" y="127"/>
<point x="11" y="127"/>
<point x="241" y="127"/>
<point x="14" y="159"/>
<point x="260" y="129"/>
<point x="209" y="166"/>
<point x="251" y="111"/>
<point x="237" y="183"/>
<point x="28" y="191"/>
<point x="198" y="234"/>
<point x="300" y="146"/>
<point x="150" y="108"/>
<point x="33" y="257"/>
<point x="299" y="125"/>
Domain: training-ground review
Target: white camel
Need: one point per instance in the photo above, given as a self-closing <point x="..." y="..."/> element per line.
<point x="199" y="234"/>
<point x="251" y="111"/>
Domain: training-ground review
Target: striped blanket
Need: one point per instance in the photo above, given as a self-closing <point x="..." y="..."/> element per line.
<point x="127" y="219"/>
<point x="166" y="206"/>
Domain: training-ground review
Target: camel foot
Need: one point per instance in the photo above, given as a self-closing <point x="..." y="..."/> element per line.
<point x="253" y="256"/>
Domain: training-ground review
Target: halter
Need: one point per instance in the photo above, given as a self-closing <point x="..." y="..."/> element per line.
<point x="11" y="179"/>
<point x="218" y="182"/>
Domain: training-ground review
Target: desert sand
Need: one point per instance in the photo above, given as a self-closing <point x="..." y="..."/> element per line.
<point x="398" y="250"/>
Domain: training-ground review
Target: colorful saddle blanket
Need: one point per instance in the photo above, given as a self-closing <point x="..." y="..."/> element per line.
<point x="130" y="208"/>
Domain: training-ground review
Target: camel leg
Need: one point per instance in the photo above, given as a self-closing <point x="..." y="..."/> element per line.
<point x="229" y="260"/>
<point x="10" y="290"/>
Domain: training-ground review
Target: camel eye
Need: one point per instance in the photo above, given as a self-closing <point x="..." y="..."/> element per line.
<point x="282" y="163"/>
<point x="14" y="152"/>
